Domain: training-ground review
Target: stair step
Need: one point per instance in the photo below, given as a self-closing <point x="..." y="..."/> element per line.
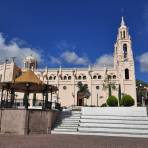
<point x="69" y="124"/>
<point x="101" y="134"/>
<point x="66" y="127"/>
<point x="114" y="121"/>
<point x="115" y="117"/>
<point x="126" y="126"/>
<point x="66" y="130"/>
<point x="113" y="130"/>
<point x="71" y="119"/>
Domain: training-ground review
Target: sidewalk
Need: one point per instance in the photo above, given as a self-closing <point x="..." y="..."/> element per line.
<point x="70" y="141"/>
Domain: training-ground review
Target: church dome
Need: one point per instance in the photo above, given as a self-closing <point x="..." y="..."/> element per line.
<point x="30" y="58"/>
<point x="30" y="62"/>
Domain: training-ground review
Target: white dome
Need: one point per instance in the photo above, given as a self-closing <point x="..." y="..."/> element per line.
<point x="30" y="58"/>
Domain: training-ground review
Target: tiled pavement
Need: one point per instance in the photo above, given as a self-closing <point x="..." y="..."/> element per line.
<point x="71" y="141"/>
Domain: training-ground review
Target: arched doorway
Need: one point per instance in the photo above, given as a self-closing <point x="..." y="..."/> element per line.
<point x="80" y="99"/>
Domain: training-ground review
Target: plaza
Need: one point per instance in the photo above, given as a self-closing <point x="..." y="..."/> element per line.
<point x="71" y="141"/>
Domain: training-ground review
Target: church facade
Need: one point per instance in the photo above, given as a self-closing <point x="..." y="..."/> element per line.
<point x="122" y="75"/>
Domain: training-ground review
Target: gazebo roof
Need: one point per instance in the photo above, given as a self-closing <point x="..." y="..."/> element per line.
<point x="28" y="82"/>
<point x="28" y="77"/>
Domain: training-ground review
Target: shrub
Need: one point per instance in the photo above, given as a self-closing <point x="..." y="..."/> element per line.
<point x="127" y="100"/>
<point x="104" y="105"/>
<point x="112" y="101"/>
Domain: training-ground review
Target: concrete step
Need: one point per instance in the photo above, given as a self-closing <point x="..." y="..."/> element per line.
<point x="115" y="117"/>
<point x="66" y="127"/>
<point x="65" y="130"/>
<point x="67" y="121"/>
<point x="71" y="114"/>
<point x="102" y="134"/>
<point x="113" y="130"/>
<point x="144" y="122"/>
<point x="126" y="126"/>
<point x="71" y="119"/>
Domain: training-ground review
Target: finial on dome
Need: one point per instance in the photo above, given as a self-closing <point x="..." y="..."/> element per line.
<point x="122" y="21"/>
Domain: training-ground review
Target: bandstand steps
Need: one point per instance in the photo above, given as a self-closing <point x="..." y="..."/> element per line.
<point x="68" y="122"/>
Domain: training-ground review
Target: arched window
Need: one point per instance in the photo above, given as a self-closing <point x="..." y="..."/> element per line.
<point x="50" y="78"/>
<point x="54" y="77"/>
<point x="124" y="34"/>
<point x="69" y="77"/>
<point x="94" y="77"/>
<point x="99" y="77"/>
<point x="97" y="87"/>
<point x="84" y="77"/>
<point x="126" y="74"/>
<point x="114" y="76"/>
<point x="125" y="50"/>
<point x="65" y="77"/>
<point x="79" y="77"/>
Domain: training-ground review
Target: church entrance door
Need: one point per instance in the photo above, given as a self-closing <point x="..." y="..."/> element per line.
<point x="80" y="101"/>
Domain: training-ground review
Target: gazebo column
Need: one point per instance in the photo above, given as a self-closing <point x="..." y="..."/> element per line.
<point x="43" y="104"/>
<point x="27" y="102"/>
<point x="6" y="103"/>
<point x="51" y="97"/>
<point x="46" y="99"/>
<point x="12" y="97"/>
<point x="2" y="96"/>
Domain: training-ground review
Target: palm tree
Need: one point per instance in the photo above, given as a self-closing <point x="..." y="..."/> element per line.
<point x="108" y="84"/>
<point x="83" y="91"/>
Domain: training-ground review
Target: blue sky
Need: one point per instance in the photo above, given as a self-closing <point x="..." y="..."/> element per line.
<point x="84" y="30"/>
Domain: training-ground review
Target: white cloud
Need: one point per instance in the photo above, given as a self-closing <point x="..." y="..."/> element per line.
<point x="143" y="59"/>
<point x="104" y="60"/>
<point x="72" y="58"/>
<point x="14" y="49"/>
<point x="65" y="45"/>
<point x="55" y="60"/>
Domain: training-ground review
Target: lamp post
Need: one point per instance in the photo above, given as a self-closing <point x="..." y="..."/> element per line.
<point x="141" y="94"/>
<point x="26" y="102"/>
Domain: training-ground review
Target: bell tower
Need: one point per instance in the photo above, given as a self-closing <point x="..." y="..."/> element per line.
<point x="124" y="62"/>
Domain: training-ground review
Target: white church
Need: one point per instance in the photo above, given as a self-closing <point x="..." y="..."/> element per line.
<point x="66" y="79"/>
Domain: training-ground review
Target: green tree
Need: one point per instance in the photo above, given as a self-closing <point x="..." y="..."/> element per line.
<point x="127" y="100"/>
<point x="83" y="90"/>
<point x="112" y="101"/>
